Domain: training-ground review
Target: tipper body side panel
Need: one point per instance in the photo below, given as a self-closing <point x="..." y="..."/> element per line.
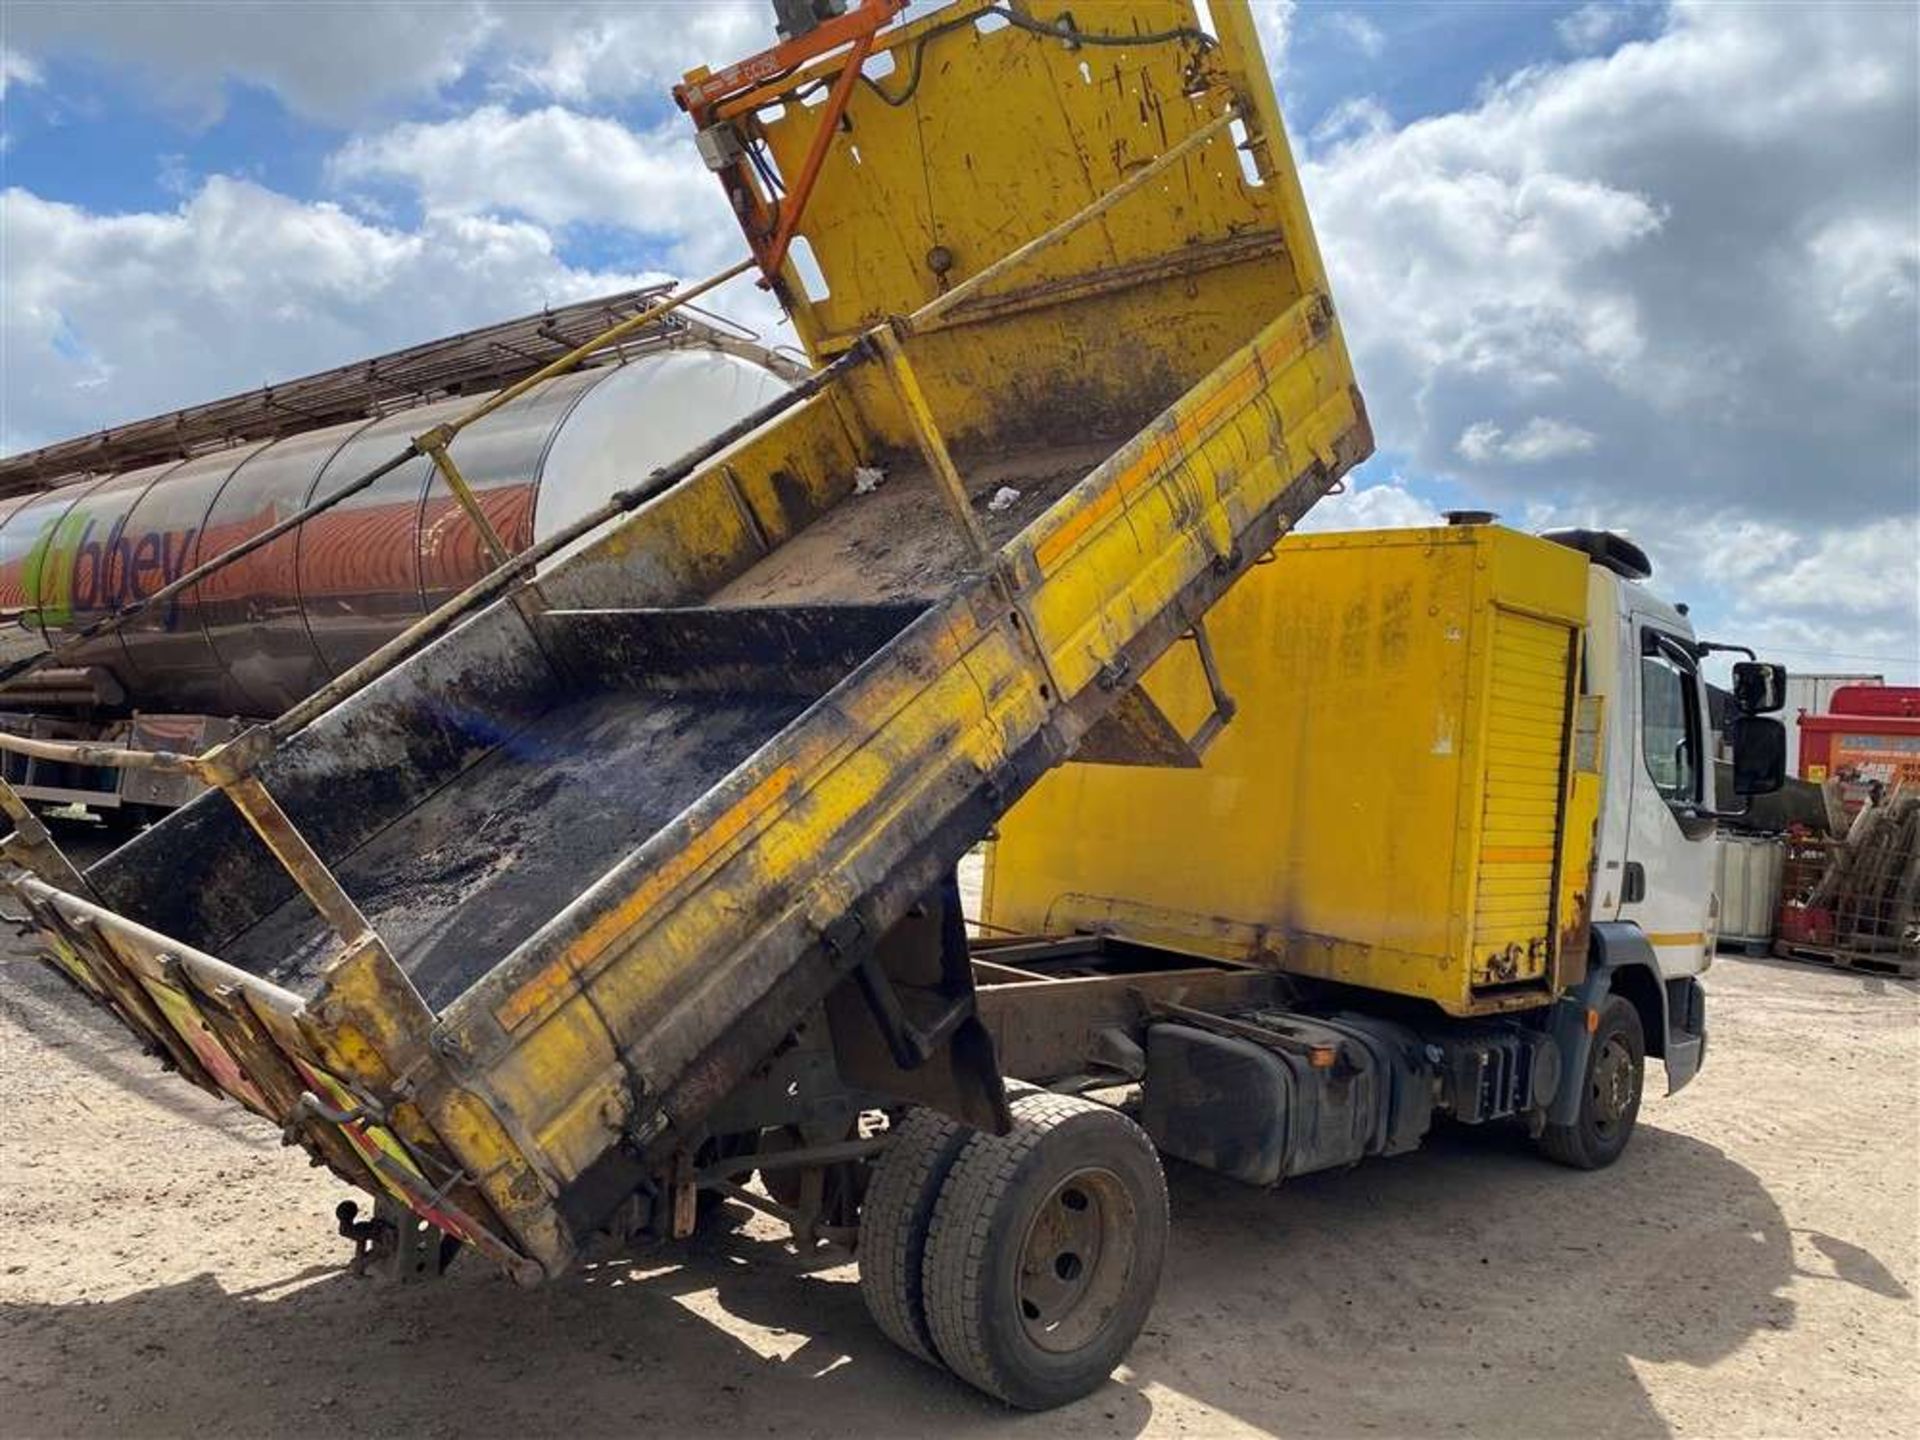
<point x="1398" y="803"/>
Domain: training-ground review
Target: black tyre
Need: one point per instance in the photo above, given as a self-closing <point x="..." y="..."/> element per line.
<point x="1045" y="1251"/>
<point x="1609" y="1093"/>
<point x="894" y="1219"/>
<point x="895" y="1214"/>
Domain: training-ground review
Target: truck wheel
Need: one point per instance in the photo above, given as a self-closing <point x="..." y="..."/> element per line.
<point x="1045" y="1251"/>
<point x="1609" y="1093"/>
<point x="894" y="1219"/>
<point x="895" y="1215"/>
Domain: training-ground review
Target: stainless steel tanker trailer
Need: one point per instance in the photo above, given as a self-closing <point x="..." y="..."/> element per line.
<point x="90" y="525"/>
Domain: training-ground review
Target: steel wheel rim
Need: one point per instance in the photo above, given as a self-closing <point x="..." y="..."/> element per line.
<point x="1075" y="1260"/>
<point x="1612" y="1087"/>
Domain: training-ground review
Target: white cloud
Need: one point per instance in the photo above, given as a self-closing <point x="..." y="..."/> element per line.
<point x="16" y="69"/>
<point x="1443" y="270"/>
<point x="589" y="52"/>
<point x="347" y="62"/>
<point x="1479" y="442"/>
<point x="559" y="168"/>
<point x="1591" y="26"/>
<point x="1542" y="438"/>
<point x="552" y="165"/>
<point x="1858" y="570"/>
<point x="1357" y="117"/>
<point x="1360" y="32"/>
<point x="1385" y="506"/>
<point x="1864" y="266"/>
<point x="1818" y="596"/>
<point x="330" y="61"/>
<point x="1273" y="20"/>
<point x="1869" y="572"/>
<point x="1820" y="648"/>
<point x="112" y="317"/>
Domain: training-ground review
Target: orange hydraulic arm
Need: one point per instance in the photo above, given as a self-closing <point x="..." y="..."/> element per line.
<point x="716" y="101"/>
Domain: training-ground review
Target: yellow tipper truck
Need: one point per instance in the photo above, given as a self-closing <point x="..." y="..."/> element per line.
<point x="629" y="872"/>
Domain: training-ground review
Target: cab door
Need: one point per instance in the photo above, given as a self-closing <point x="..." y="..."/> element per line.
<point x="1667" y="887"/>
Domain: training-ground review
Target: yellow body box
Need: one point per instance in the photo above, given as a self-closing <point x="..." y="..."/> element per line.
<point x="1404" y="799"/>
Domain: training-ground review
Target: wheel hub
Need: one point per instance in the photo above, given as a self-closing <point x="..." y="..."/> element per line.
<point x="1613" y="1086"/>
<point x="1074" y="1264"/>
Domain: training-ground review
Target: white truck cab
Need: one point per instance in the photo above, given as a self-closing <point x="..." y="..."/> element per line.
<point x="1655" y="857"/>
<point x="1654" y="867"/>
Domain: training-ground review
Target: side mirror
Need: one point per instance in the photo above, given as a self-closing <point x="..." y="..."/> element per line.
<point x="1759" y="753"/>
<point x="1759" y="689"/>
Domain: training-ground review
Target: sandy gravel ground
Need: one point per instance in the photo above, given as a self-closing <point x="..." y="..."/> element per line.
<point x="1750" y="1267"/>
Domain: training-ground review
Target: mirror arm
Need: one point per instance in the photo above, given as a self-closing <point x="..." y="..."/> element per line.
<point x="1704" y="648"/>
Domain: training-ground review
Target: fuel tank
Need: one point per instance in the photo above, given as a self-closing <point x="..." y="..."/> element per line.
<point x="271" y="628"/>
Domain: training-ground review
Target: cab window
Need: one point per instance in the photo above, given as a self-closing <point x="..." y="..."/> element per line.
<point x="1670" y="722"/>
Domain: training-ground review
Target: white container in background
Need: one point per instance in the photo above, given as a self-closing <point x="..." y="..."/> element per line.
<point x="1749" y="888"/>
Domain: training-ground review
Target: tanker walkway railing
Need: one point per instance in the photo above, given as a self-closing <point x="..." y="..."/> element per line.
<point x="231" y="766"/>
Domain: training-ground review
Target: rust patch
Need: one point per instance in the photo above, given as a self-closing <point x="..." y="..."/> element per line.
<point x="1571" y="958"/>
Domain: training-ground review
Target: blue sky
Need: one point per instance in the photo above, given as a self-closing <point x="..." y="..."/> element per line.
<point x="92" y="135"/>
<point x="1637" y="264"/>
<point x="1427" y="57"/>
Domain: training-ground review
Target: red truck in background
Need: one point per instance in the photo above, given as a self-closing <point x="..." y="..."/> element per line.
<point x="1871" y="734"/>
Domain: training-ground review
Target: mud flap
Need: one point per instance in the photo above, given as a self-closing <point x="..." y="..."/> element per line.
<point x="1686" y="1030"/>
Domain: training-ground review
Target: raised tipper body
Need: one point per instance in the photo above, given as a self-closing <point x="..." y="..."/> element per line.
<point x="492" y="924"/>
